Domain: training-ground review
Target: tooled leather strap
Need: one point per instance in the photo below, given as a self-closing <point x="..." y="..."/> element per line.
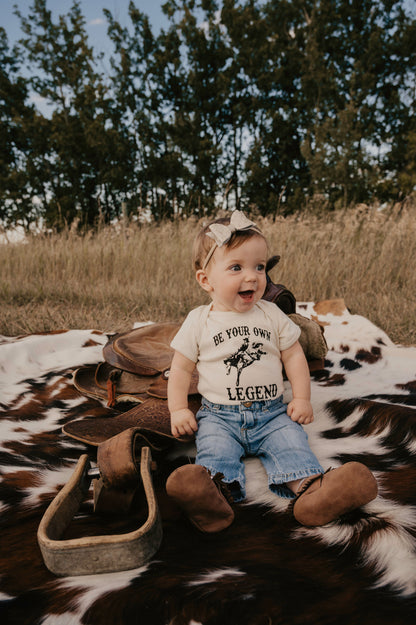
<point x="118" y="460"/>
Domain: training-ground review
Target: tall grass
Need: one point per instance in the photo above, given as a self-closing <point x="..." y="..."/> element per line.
<point x="113" y="278"/>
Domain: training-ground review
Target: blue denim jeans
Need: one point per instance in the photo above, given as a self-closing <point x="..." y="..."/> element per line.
<point x="228" y="433"/>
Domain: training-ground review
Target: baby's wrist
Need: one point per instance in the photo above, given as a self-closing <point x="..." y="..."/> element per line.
<point x="177" y="411"/>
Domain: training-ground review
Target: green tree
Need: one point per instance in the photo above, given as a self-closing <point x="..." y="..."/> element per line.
<point x="147" y="81"/>
<point x="17" y="142"/>
<point x="267" y="59"/>
<point x="85" y="156"/>
<point x="202" y="120"/>
<point x="355" y="68"/>
<point x="260" y="102"/>
<point x="397" y="108"/>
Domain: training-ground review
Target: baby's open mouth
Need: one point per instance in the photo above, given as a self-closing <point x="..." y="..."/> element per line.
<point x="246" y="295"/>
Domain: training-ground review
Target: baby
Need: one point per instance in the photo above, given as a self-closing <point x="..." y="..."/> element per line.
<point x="239" y="344"/>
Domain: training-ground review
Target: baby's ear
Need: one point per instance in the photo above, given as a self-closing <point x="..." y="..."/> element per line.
<point x="203" y="281"/>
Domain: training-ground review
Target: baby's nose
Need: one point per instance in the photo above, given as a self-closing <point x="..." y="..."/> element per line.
<point x="250" y="275"/>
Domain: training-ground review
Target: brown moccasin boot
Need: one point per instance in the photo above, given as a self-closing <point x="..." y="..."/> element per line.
<point x="200" y="498"/>
<point x="324" y="498"/>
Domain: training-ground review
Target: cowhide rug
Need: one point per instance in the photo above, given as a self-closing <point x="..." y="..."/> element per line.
<point x="265" y="569"/>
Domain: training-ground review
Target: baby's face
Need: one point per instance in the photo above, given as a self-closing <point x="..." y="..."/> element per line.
<point x="237" y="276"/>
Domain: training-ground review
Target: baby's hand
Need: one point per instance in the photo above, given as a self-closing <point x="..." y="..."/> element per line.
<point x="300" y="410"/>
<point x="183" y="423"/>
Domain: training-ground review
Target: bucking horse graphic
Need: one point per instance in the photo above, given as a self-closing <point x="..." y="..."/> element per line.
<point x="243" y="357"/>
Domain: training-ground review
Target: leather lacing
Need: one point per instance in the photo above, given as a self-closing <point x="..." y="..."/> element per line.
<point x="222" y="487"/>
<point x="113" y="378"/>
<point x="305" y="487"/>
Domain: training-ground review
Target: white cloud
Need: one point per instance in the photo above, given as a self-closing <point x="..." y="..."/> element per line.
<point x="98" y="21"/>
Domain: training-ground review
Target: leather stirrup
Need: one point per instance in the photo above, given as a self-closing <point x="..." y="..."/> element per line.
<point x="97" y="554"/>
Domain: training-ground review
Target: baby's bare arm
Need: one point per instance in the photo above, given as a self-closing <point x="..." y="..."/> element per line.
<point x="183" y="422"/>
<point x="297" y="371"/>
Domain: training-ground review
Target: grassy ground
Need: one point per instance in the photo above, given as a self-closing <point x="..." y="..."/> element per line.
<point x="113" y="278"/>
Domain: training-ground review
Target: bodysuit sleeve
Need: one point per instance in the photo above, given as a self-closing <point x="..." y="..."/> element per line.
<point x="287" y="332"/>
<point x="186" y="339"/>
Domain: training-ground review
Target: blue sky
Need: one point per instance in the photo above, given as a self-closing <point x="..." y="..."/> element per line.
<point x="93" y="13"/>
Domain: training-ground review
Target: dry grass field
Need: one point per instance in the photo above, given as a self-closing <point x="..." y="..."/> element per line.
<point x="118" y="276"/>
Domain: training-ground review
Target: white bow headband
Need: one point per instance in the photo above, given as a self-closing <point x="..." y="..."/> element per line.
<point x="222" y="233"/>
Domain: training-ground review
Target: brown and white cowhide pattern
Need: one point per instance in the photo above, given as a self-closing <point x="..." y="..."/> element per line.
<point x="265" y="569"/>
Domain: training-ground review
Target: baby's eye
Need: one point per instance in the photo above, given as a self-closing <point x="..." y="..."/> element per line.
<point x="235" y="267"/>
<point x="261" y="267"/>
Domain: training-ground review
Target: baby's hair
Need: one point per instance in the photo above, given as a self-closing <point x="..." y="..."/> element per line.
<point x="203" y="243"/>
